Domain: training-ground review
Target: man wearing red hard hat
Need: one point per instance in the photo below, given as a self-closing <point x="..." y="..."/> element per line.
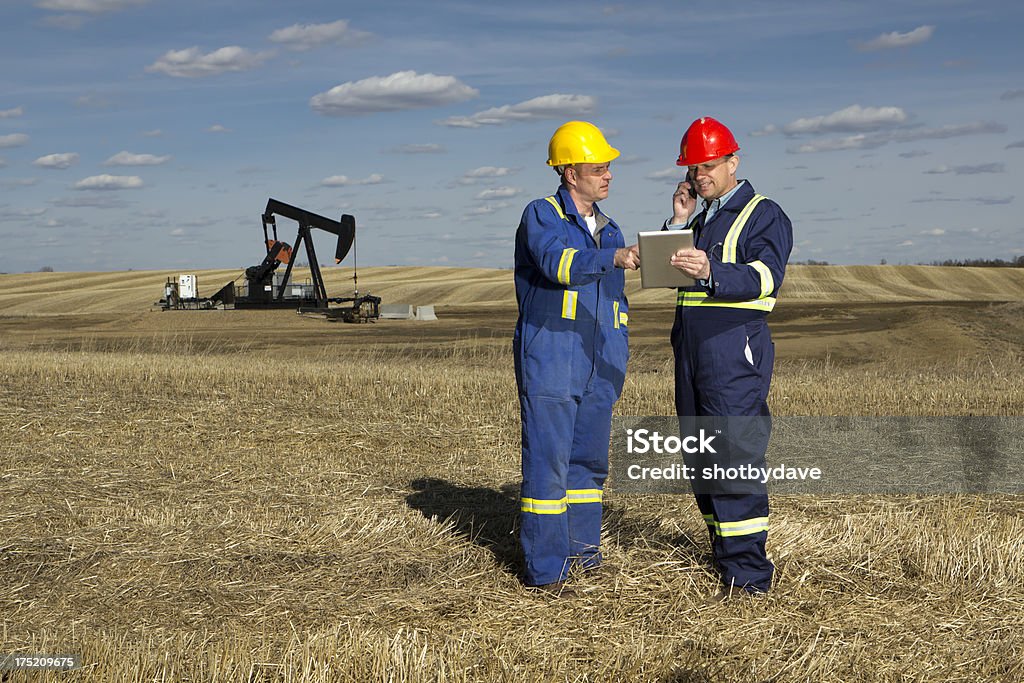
<point x="723" y="350"/>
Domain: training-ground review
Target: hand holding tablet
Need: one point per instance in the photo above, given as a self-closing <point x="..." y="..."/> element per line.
<point x="656" y="250"/>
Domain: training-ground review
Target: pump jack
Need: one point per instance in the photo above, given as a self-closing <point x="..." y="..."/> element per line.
<point x="264" y="290"/>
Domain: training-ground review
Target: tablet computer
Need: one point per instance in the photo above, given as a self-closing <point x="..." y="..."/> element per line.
<point x="656" y="248"/>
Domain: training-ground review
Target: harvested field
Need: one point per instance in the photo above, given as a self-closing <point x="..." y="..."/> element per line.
<point x="262" y="496"/>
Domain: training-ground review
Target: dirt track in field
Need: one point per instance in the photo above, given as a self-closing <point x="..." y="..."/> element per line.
<point x="852" y="333"/>
<point x="849" y="315"/>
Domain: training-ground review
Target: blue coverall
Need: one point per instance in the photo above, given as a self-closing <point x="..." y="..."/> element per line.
<point x="571" y="346"/>
<point x="724" y="357"/>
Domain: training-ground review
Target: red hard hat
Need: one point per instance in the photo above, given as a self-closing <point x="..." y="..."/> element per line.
<point x="704" y="140"/>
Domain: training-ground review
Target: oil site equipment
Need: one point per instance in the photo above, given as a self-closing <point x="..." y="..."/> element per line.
<point x="264" y="287"/>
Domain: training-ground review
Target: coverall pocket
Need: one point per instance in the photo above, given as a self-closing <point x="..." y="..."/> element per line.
<point x="548" y="360"/>
<point x="756" y="333"/>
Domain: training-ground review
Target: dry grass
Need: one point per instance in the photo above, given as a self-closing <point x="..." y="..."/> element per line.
<point x="253" y="496"/>
<point x="827" y="388"/>
<point x="350" y="518"/>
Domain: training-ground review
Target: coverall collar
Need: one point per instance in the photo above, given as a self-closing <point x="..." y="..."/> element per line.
<point x="741" y="194"/>
<point x="569" y="206"/>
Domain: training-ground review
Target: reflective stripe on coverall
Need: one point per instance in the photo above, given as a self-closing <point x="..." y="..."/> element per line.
<point x="724" y="356"/>
<point x="571" y="348"/>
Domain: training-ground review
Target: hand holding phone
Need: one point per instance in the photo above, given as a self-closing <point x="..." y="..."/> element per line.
<point x="684" y="201"/>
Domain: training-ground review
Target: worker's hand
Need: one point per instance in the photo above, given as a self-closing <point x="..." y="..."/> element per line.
<point x="683" y="204"/>
<point x="693" y="262"/>
<point x="628" y="257"/>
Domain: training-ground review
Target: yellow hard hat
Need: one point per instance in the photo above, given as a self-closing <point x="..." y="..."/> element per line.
<point x="579" y="142"/>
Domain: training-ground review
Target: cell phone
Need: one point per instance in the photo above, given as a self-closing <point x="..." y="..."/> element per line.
<point x="693" y="185"/>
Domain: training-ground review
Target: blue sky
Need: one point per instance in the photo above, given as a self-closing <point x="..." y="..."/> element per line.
<point x="149" y="134"/>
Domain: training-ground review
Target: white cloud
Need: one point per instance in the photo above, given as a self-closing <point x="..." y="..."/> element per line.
<point x="853" y="119"/>
<point x="11" y="113"/>
<point x="109" y="182"/>
<point x="9" y="216"/>
<point x="489" y="172"/>
<point x="673" y="174"/>
<point x="307" y="36"/>
<point x="770" y="129"/>
<point x="554" y="106"/>
<point x="92" y="100"/>
<point x="427" y="148"/>
<point x="192" y="63"/>
<point x="969" y="170"/>
<point x="499" y="193"/>
<point x="91" y="6"/>
<point x="217" y="128"/>
<point x="935" y="232"/>
<point x="630" y="159"/>
<point x="58" y="161"/>
<point x="951" y="131"/>
<point x="91" y="201"/>
<point x="491" y="208"/>
<point x="155" y="133"/>
<point x="13" y="140"/>
<point x="838" y="144"/>
<point x="484" y="173"/>
<point x="2" y="163"/>
<point x="130" y="159"/>
<point x="992" y="201"/>
<point x="399" y="91"/>
<point x="345" y="181"/>
<point x="895" y="39"/>
<point x="874" y="140"/>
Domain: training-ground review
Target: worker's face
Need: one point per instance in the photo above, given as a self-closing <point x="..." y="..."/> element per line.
<point x="592" y="180"/>
<point x="716" y="177"/>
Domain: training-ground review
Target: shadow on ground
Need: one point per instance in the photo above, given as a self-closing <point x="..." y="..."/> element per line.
<point x="485" y="516"/>
<point x="489" y="518"/>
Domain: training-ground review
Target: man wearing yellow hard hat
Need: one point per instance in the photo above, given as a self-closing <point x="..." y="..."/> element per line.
<point x="571" y="347"/>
